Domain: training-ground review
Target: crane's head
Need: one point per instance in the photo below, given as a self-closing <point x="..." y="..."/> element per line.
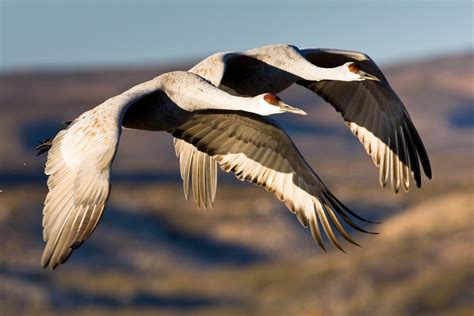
<point x="269" y="103"/>
<point x="353" y="72"/>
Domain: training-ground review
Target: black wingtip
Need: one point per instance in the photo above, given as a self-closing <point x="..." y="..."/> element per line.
<point x="428" y="173"/>
<point x="425" y="162"/>
<point x="367" y="231"/>
<point x="360" y="218"/>
<point x="341" y="249"/>
<point x="418" y="183"/>
<point x="424" y="159"/>
<point x="43" y="146"/>
<point x="373" y="233"/>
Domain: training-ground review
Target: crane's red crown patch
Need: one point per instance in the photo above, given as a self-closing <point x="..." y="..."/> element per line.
<point x="354" y="68"/>
<point x="271" y="98"/>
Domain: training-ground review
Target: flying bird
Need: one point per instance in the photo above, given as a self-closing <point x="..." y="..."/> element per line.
<point x="350" y="81"/>
<point x="233" y="130"/>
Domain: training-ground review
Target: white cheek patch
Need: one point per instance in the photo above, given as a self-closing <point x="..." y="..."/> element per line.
<point x="264" y="108"/>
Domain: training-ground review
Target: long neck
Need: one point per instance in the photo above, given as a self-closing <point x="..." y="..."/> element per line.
<point x="216" y="99"/>
<point x="291" y="61"/>
<point x="308" y="71"/>
<point x="192" y="93"/>
<point x="314" y="73"/>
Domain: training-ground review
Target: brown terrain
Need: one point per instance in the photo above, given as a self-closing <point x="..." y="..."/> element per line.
<point x="153" y="253"/>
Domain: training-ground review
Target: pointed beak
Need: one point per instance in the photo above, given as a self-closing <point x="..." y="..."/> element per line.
<point x="367" y="76"/>
<point x="288" y="108"/>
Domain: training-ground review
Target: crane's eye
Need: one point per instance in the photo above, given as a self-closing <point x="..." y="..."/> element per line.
<point x="271" y="98"/>
<point x="353" y="67"/>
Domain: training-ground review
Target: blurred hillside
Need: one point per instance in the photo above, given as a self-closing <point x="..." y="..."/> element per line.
<point x="156" y="254"/>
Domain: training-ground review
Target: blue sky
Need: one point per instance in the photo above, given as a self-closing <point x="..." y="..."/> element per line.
<point x="78" y="34"/>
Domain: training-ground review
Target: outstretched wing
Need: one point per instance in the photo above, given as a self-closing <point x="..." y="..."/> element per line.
<point x="376" y="115"/>
<point x="256" y="149"/>
<point x="78" y="167"/>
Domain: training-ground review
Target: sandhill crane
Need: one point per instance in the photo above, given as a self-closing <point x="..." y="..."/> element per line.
<point x="233" y="130"/>
<point x="349" y="81"/>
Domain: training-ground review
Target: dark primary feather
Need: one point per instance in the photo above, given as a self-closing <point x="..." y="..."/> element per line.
<point x="257" y="150"/>
<point x="44" y="146"/>
<point x="374" y="106"/>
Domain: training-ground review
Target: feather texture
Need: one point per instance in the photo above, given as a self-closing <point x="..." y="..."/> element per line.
<point x="371" y="109"/>
<point x="375" y="115"/>
<point x="78" y="169"/>
<point x="257" y="150"/>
